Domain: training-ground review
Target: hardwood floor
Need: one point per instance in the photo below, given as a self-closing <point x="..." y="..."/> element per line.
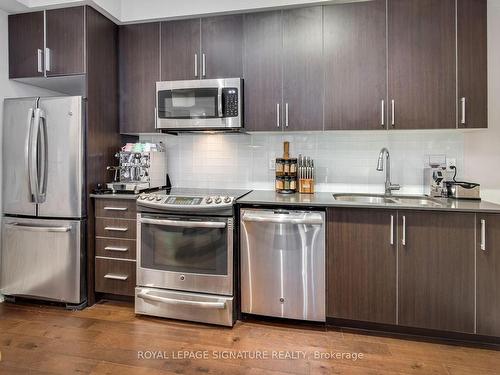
<point x="109" y="339"/>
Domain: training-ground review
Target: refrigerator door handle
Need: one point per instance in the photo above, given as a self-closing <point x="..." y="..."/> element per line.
<point x="34" y="183"/>
<point x="44" y="154"/>
<point x="27" y="153"/>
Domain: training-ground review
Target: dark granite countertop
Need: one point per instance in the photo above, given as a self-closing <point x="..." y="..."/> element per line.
<point x="271" y="198"/>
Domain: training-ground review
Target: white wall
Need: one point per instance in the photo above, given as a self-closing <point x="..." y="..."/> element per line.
<point x="482" y="148"/>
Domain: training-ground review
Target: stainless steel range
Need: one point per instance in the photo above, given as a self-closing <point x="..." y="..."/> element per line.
<point x="185" y="240"/>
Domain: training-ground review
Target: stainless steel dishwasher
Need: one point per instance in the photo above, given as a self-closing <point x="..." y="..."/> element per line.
<point x="283" y="263"/>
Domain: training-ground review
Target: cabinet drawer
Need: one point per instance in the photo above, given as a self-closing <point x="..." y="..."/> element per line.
<point x="115" y="276"/>
<point x="116" y="228"/>
<point x="115" y="208"/>
<point x="115" y="248"/>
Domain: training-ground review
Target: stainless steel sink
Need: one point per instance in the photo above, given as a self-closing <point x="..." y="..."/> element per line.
<point x="364" y="198"/>
<point x="384" y="199"/>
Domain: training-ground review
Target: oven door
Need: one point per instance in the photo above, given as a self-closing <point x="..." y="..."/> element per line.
<point x="187" y="254"/>
<point x="195" y="104"/>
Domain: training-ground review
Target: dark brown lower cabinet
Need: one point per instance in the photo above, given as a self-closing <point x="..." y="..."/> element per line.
<point x="488" y="274"/>
<point x="436" y="270"/>
<point x="361" y="269"/>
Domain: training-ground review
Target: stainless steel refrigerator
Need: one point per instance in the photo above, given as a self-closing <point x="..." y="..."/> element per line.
<point x="43" y="222"/>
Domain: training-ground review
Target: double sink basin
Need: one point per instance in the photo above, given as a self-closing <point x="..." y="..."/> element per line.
<point x="405" y="200"/>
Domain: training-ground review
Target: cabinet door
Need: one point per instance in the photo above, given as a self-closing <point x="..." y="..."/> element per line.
<point x="26" y="45"/>
<point x="488" y="274"/>
<point x="262" y="70"/>
<point x="303" y="69"/>
<point x="361" y="269"/>
<point x="222" y="46"/>
<point x="472" y="63"/>
<point x="355" y="66"/>
<point x="139" y="59"/>
<point x="436" y="270"/>
<point x="422" y="64"/>
<point x="180" y="50"/>
<point x="65" y="41"/>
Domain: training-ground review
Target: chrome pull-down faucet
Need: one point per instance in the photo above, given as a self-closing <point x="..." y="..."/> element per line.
<point x="389" y="187"/>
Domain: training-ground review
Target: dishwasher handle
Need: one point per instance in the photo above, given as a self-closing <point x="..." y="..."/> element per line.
<point x="309" y="218"/>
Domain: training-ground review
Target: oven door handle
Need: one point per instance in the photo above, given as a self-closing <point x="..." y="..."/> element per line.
<point x="183" y="223"/>
<point x="173" y="301"/>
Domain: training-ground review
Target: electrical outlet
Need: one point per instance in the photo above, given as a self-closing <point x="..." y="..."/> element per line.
<point x="451" y="162"/>
<point x="272" y="164"/>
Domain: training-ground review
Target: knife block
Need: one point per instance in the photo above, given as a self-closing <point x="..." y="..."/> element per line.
<point x="306" y="186"/>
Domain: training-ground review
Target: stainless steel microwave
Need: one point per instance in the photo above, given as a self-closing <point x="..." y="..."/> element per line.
<point x="208" y="104"/>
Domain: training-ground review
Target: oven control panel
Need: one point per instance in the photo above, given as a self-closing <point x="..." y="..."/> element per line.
<point x="184" y="202"/>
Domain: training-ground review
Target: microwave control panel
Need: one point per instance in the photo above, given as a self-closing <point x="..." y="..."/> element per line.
<point x="230" y="99"/>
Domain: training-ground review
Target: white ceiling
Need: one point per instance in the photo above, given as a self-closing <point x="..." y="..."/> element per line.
<point x="129" y="11"/>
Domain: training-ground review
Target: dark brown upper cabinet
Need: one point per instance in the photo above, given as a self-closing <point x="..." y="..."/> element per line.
<point x="436" y="270"/>
<point x="65" y="41"/>
<point x="303" y="69"/>
<point x="222" y="46"/>
<point x="355" y="66"/>
<point x="361" y="268"/>
<point x="180" y="50"/>
<point x="422" y="64"/>
<point x="26" y="34"/>
<point x="263" y="41"/>
<point x="488" y="274"/>
<point x="139" y="70"/>
<point x="472" y="63"/>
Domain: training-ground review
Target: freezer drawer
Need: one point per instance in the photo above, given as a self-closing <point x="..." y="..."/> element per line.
<point x="42" y="259"/>
<point x="283" y="264"/>
<point x="195" y="307"/>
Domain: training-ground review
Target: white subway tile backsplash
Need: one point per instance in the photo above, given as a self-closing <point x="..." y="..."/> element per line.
<point x="345" y="161"/>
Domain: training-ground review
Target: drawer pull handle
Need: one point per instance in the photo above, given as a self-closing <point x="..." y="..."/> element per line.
<point x="116" y="229"/>
<point x="115" y="248"/>
<point x="116" y="208"/>
<point x="114" y="276"/>
<point x="182" y="302"/>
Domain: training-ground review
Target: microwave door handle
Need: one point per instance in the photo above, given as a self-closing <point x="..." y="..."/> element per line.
<point x="219" y="101"/>
<point x="185" y="224"/>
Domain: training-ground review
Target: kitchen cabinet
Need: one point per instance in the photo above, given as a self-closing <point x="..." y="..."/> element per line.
<point x="488" y="274"/>
<point x="303" y="69"/>
<point x="139" y="70"/>
<point x="65" y="41"/>
<point x="422" y="64"/>
<point x="26" y="45"/>
<point x="436" y="270"/>
<point x="361" y="268"/>
<point x="263" y="42"/>
<point x="180" y="50"/>
<point x="355" y="66"/>
<point x="472" y="63"/>
<point x="222" y="46"/>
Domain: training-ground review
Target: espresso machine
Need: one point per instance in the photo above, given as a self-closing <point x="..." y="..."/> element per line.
<point x="140" y="167"/>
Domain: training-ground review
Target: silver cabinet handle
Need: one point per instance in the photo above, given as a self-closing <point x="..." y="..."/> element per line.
<point x="115" y="248"/>
<point x="116" y="208"/>
<point x="174" y="301"/>
<point x="403" y="239"/>
<point x="286" y="115"/>
<point x="382" y="111"/>
<point x="47" y="59"/>
<point x="39" y="57"/>
<point x="277" y="115"/>
<point x="203" y="65"/>
<point x="196" y="65"/>
<point x="184" y="224"/>
<point x="392" y="230"/>
<point x="393" y="113"/>
<point x="463" y="102"/>
<point x="116" y="229"/>
<point x="114" y="276"/>
<point x="32" y="228"/>
<point x="483" y="234"/>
